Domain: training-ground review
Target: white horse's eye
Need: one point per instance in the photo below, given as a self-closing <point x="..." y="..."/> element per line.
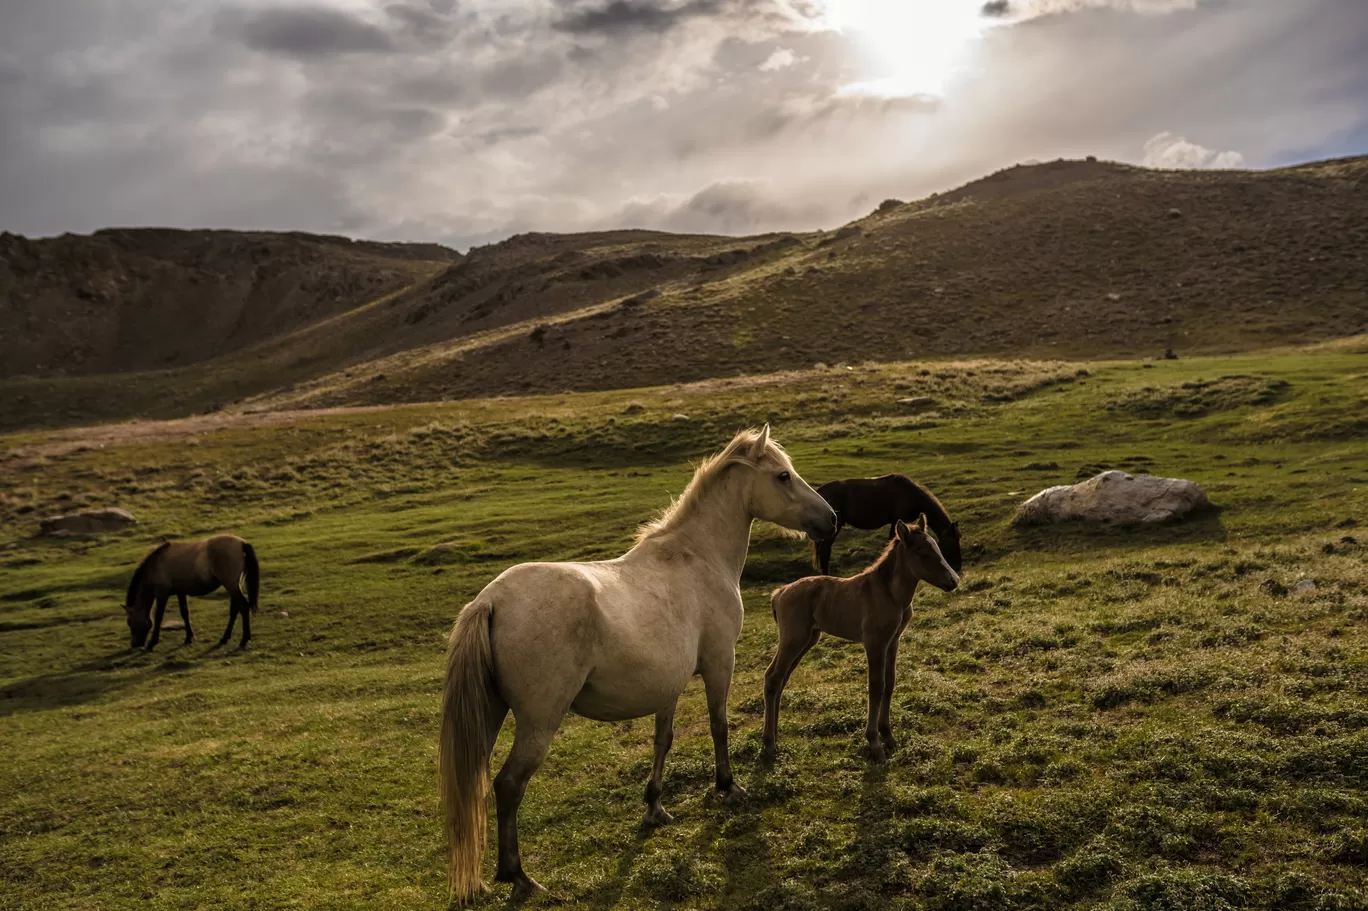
<point x="784" y="477"/>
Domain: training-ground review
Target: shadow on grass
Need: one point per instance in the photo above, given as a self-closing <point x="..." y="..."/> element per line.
<point x="1206" y="527"/>
<point x="115" y="671"/>
<point x="610" y="891"/>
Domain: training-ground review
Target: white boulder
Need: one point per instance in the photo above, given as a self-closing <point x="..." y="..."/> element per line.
<point x="1114" y="497"/>
<point x="90" y="522"/>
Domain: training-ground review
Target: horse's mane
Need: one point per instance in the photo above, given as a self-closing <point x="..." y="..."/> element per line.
<point x="140" y="573"/>
<point x="886" y="556"/>
<point x="936" y="515"/>
<point x="707" y="474"/>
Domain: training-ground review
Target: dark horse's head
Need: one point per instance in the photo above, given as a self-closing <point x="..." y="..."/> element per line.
<point x="949" y="541"/>
<point x="138" y="602"/>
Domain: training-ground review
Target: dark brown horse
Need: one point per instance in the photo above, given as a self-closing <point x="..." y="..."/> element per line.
<point x="872" y="608"/>
<point x="193" y="568"/>
<point x="869" y="503"/>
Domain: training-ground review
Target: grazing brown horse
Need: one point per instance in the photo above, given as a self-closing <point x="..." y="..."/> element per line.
<point x="193" y="568"/>
<point x="872" y="608"/>
<point x="869" y="503"/>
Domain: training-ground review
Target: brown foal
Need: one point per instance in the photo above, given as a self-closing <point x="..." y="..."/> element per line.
<point x="872" y="608"/>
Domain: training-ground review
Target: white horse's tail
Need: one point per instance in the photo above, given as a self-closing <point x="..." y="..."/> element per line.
<point x="465" y="747"/>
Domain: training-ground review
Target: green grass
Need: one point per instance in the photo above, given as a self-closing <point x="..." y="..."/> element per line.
<point x="1099" y="718"/>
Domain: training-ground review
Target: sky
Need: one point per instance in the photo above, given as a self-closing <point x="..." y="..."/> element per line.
<point x="465" y="121"/>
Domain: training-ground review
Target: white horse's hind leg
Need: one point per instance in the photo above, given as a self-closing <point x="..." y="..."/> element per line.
<point x="717" y="684"/>
<point x="664" y="737"/>
<point x="529" y="749"/>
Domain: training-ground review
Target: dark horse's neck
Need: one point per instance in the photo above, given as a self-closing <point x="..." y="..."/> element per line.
<point x="924" y="502"/>
<point x="140" y="574"/>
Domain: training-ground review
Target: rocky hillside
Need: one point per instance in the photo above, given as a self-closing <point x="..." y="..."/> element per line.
<point x="1069" y="258"/>
<point x="134" y="299"/>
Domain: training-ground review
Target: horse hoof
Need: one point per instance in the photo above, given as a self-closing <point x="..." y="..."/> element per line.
<point x="524" y="888"/>
<point x="656" y="816"/>
<point x="149" y="648"/>
<point x="769" y="752"/>
<point x="733" y="795"/>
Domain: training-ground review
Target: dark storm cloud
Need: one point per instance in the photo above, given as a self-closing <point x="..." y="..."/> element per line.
<point x="311" y="31"/>
<point x="623" y="16"/>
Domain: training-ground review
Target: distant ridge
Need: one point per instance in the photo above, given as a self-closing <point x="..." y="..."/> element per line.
<point x="1064" y="258"/>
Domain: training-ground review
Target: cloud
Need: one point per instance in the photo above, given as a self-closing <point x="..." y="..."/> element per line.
<point x="1166" y="150"/>
<point x="782" y="58"/>
<point x="467" y="121"/>
<point x="1031" y="8"/>
<point x="727" y="207"/>
<point x="311" y="31"/>
<point x="621" y="16"/>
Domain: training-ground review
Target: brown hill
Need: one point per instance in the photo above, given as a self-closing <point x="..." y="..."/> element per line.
<point x="1077" y="259"/>
<point x="130" y="299"/>
<point x="1074" y="259"/>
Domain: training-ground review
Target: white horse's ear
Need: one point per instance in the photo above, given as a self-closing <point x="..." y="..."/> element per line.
<point x="920" y="524"/>
<point x="761" y="444"/>
<point x="901" y="529"/>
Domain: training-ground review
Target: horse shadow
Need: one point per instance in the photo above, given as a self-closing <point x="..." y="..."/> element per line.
<point x="98" y="677"/>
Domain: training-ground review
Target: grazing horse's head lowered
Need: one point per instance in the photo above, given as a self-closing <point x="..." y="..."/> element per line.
<point x="138" y="602"/>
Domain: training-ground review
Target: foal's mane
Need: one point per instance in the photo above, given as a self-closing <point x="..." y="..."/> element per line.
<point x="704" y="477"/>
<point x="936" y="515"/>
<point x="885" y="557"/>
<point x="140" y="573"/>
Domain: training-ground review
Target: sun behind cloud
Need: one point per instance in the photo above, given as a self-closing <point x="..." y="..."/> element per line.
<point x="908" y="47"/>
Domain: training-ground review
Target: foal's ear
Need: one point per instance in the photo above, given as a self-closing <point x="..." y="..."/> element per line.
<point x="761" y="444"/>
<point x="920" y="524"/>
<point x="902" y="530"/>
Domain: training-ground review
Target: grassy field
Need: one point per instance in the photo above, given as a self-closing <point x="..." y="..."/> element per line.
<point x="1098" y="718"/>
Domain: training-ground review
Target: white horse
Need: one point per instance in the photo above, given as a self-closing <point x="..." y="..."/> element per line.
<point x="609" y="640"/>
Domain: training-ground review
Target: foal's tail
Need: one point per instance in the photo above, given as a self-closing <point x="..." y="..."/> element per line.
<point x="465" y="746"/>
<point x="251" y="571"/>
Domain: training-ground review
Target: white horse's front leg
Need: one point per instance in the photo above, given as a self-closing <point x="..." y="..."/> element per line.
<point x="717" y="675"/>
<point x="664" y="737"/>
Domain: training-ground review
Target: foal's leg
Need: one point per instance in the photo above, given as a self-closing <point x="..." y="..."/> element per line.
<point x="876" y="650"/>
<point x="232" y="618"/>
<point x="885" y="707"/>
<point x="664" y="737"/>
<point x="185" y="618"/>
<point x="530" y="744"/>
<point x="794" y="643"/>
<point x="717" y="684"/>
<point x="157" y="621"/>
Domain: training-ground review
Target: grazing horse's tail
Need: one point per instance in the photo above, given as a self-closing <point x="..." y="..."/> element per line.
<point x="465" y="747"/>
<point x="251" y="573"/>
